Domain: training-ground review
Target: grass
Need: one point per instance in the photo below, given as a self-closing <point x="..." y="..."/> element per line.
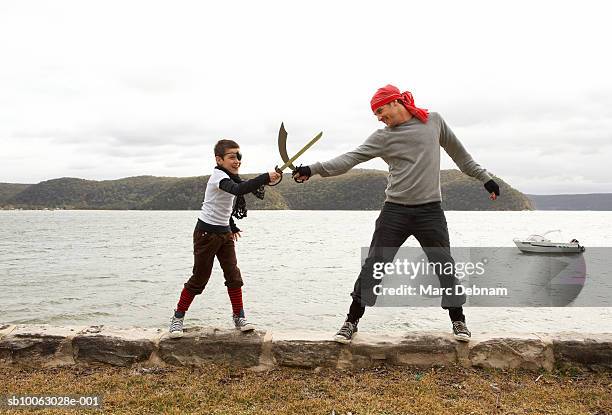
<point x="219" y="389"/>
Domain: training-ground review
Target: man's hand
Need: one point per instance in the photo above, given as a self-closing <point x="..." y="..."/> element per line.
<point x="492" y="188"/>
<point x="301" y="174"/>
<point x="274" y="177"/>
<point x="236" y="235"/>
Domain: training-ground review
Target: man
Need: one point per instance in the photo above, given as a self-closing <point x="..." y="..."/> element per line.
<point x="410" y="145"/>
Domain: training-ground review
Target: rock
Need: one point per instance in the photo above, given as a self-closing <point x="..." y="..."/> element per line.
<point x="525" y="352"/>
<point x="201" y="345"/>
<point x="306" y="350"/>
<point x="266" y="358"/>
<point x="44" y="346"/>
<point x="117" y="347"/>
<point x="5" y="329"/>
<point x="592" y="351"/>
<point x="414" y="349"/>
<point x="38" y="345"/>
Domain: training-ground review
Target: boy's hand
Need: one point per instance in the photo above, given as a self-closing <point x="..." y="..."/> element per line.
<point x="236" y="235"/>
<point x="274" y="177"/>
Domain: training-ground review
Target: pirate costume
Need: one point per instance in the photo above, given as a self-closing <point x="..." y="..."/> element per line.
<point x="413" y="199"/>
<point x="213" y="237"/>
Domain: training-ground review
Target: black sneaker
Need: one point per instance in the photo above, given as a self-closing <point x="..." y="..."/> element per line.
<point x="346" y="332"/>
<point x="461" y="332"/>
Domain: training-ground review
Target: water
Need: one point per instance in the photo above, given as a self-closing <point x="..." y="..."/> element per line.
<point x="128" y="267"/>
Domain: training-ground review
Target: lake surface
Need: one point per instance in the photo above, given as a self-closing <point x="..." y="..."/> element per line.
<point x="126" y="268"/>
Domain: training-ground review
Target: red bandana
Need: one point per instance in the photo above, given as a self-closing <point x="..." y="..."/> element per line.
<point x="390" y="93"/>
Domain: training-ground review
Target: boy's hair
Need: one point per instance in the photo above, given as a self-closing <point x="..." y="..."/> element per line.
<point x="223" y="145"/>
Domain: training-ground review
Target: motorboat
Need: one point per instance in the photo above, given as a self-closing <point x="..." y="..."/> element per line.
<point x="541" y="244"/>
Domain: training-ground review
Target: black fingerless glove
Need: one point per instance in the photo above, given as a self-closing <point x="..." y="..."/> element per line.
<point x="301" y="171"/>
<point x="492" y="187"/>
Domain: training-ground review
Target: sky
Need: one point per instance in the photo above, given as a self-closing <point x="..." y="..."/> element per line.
<point x="102" y="90"/>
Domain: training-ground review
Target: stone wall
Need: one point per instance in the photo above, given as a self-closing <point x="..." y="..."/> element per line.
<point x="51" y="346"/>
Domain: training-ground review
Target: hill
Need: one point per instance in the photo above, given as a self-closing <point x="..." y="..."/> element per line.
<point x="592" y="201"/>
<point x="10" y="190"/>
<point x="355" y="190"/>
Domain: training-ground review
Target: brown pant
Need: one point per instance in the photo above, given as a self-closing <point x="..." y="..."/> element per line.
<point x="206" y="246"/>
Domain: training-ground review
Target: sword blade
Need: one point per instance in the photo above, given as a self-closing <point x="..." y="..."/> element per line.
<point x="282" y="146"/>
<point x="299" y="153"/>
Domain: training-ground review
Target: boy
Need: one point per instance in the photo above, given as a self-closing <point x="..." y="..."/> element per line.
<point x="216" y="232"/>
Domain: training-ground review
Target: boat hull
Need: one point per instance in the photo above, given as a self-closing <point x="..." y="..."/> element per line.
<point x="548" y="247"/>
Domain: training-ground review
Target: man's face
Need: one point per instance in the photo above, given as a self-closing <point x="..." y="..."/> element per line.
<point x="389" y="114"/>
<point x="230" y="160"/>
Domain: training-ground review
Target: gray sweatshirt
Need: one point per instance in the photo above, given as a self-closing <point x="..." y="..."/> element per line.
<point x="412" y="151"/>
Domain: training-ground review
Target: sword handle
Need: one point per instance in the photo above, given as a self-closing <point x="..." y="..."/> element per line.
<point x="276" y="169"/>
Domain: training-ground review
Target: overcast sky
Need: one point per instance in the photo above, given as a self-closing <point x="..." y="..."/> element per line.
<point x="109" y="89"/>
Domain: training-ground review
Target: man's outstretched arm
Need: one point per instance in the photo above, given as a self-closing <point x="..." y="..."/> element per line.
<point x="343" y="163"/>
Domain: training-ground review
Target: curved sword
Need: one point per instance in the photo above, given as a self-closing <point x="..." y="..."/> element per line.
<point x="282" y="148"/>
<point x="282" y="145"/>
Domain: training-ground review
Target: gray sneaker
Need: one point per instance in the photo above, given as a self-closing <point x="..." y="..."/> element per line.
<point x="242" y="324"/>
<point x="176" y="327"/>
<point x="346" y="332"/>
<point x="461" y="332"/>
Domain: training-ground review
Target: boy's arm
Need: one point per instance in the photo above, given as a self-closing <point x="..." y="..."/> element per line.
<point x="245" y="187"/>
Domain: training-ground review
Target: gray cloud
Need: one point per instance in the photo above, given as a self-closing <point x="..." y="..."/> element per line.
<point x="528" y="104"/>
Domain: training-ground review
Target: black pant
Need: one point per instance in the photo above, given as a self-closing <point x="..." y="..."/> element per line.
<point x="394" y="225"/>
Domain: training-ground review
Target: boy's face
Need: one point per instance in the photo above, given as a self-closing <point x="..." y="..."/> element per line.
<point x="230" y="161"/>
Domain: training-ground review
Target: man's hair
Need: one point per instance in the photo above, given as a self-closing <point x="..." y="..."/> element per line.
<point x="223" y="145"/>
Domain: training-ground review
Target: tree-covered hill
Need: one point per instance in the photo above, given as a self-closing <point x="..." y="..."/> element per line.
<point x="355" y="190"/>
<point x="9" y="190"/>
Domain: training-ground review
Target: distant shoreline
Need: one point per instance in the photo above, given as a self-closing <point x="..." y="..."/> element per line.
<point x="356" y="190"/>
